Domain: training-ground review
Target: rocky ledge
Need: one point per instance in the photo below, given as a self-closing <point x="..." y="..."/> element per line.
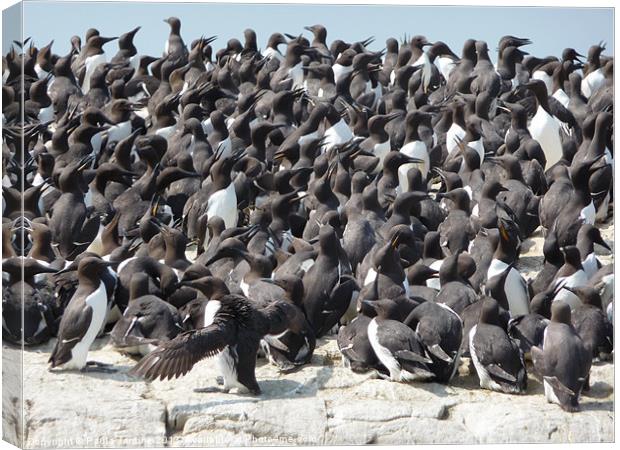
<point x="322" y="403"/>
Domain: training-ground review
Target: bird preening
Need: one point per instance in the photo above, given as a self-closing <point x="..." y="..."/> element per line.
<point x="246" y="202"/>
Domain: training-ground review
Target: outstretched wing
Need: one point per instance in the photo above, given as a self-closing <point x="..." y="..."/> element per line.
<point x="176" y="357"/>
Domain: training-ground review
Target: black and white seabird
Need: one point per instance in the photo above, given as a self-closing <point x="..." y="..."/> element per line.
<point x="29" y="313"/>
<point x="147" y="321"/>
<point x="563" y="361"/>
<point x="328" y="285"/>
<point x="571" y="275"/>
<point x="83" y="318"/>
<point x="398" y="348"/>
<point x="497" y="358"/>
<point x="515" y="286"/>
<point x="441" y="331"/>
<point x="591" y="322"/>
<point x="232" y="330"/>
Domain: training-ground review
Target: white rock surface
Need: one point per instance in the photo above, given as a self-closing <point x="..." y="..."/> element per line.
<point x="11" y="396"/>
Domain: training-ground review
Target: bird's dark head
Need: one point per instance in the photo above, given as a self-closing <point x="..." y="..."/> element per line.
<point x="588" y="231"/>
<point x="93" y="267"/>
<point x="587" y="294"/>
<point x="382" y="308"/>
<point x="419" y="273"/>
<point x="560" y="312"/>
<point x="420" y="42"/>
<point x="194" y="272"/>
<point x="174" y="22"/>
<point x="292" y="285"/>
<point x="538" y="87"/>
<point x="99" y="41"/>
<point x="229" y="248"/>
<point x="126" y="39"/>
<point x="394" y="159"/>
<point x="490" y="311"/>
<point x="277" y="39"/>
<point x="211" y="287"/>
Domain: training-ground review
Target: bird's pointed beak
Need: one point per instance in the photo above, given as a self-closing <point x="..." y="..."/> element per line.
<point x="108" y="39"/>
<point x="412" y="160"/>
<point x="298" y="198"/>
<point x="599" y="240"/>
<point x="391" y="117"/>
<point x="70" y="268"/>
<point x="366" y="306"/>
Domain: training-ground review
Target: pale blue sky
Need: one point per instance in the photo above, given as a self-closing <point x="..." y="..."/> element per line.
<point x="551" y="29"/>
<point x="11" y="26"/>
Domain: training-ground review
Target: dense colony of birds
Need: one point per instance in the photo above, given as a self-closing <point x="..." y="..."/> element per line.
<point x="243" y="202"/>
